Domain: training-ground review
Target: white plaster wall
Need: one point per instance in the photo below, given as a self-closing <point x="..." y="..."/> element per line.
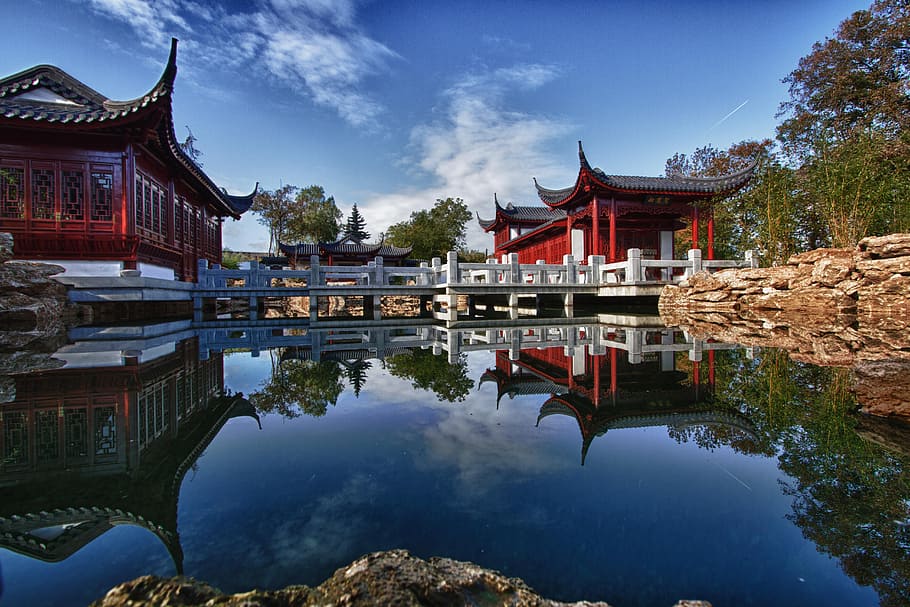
<point x="152" y="271"/>
<point x="87" y="268"/>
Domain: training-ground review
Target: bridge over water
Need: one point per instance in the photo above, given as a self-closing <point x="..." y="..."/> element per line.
<point x="438" y="285"/>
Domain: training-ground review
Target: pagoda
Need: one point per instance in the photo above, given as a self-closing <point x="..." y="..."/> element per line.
<point x="103" y="187"/>
<point x="609" y="214"/>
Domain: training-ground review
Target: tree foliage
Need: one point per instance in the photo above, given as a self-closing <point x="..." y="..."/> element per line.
<point x="354" y="227"/>
<point x="427" y="371"/>
<point x="274" y="209"/>
<point x="297" y="215"/>
<point x="316" y="218"/>
<point x="299" y="386"/>
<point x="433" y="232"/>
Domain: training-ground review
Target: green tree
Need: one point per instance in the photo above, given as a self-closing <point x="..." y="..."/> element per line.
<point x="846" y="124"/>
<point x="299" y="386"/>
<point x="433" y="232"/>
<point x="354" y="226"/>
<point x="427" y="371"/>
<point x="230" y="260"/>
<point x="275" y="209"/>
<point x="315" y="217"/>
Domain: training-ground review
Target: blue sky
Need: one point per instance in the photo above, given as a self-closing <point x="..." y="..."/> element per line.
<point x="394" y="104"/>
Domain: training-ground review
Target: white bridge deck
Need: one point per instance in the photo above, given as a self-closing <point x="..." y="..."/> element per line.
<point x="440" y="283"/>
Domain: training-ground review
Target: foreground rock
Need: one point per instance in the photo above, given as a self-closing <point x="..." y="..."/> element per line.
<point x="394" y="577"/>
<point x="829" y="307"/>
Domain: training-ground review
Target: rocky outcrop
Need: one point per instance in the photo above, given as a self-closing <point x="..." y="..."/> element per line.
<point x="34" y="306"/>
<point x="394" y="577"/>
<point x="830" y="307"/>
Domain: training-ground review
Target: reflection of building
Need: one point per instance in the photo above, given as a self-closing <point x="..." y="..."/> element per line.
<point x="85" y="449"/>
<point x="607" y="215"/>
<point x="610" y="391"/>
<point x="100" y="185"/>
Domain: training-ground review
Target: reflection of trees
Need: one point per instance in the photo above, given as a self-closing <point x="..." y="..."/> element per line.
<point x="356" y="373"/>
<point x="449" y="382"/>
<point x="850" y="496"/>
<point x="299" y="386"/>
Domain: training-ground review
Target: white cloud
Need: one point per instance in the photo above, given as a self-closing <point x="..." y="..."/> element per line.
<point x="312" y="46"/>
<point x="479" y="147"/>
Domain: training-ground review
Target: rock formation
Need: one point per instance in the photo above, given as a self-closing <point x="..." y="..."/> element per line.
<point x="394" y="577"/>
<point x="829" y="307"/>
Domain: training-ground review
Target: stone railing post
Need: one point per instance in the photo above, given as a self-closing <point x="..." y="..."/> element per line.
<point x="541" y="274"/>
<point x="695" y="265"/>
<point x="633" y="266"/>
<point x="422" y="277"/>
<point x="202" y="269"/>
<point x="436" y="264"/>
<point x="315" y="277"/>
<point x="595" y="261"/>
<point x="751" y="258"/>
<point x="452" y="268"/>
<point x="491" y="274"/>
<point x="253" y="275"/>
<point x="380" y="272"/>
<point x="514" y="268"/>
<point x="571" y="274"/>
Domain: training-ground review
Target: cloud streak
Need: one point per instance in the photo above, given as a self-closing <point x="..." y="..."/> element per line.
<point x="314" y="47"/>
<point x="479" y="146"/>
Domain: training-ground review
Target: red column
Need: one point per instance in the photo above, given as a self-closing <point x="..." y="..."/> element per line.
<point x="711" y="234"/>
<point x="595" y="219"/>
<point x="612" y="230"/>
<point x="596" y="360"/>
<point x="694" y="227"/>
<point x="711" y="368"/>
<point x="568" y="236"/>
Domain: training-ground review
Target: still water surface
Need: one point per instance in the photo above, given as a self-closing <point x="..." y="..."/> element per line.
<point x="585" y="474"/>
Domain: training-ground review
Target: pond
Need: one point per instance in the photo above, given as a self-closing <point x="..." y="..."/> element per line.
<point x="630" y="465"/>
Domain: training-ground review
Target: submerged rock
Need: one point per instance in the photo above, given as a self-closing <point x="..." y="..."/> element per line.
<point x="829" y="307"/>
<point x="394" y="577"/>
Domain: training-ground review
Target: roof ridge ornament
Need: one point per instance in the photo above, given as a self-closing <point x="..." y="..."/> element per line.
<point x="582" y="160"/>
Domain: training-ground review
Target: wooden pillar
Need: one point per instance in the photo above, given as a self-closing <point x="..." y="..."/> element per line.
<point x="694" y="227"/>
<point x="612" y="230"/>
<point x="595" y="231"/>
<point x="596" y="360"/>
<point x="568" y="235"/>
<point x="711" y="233"/>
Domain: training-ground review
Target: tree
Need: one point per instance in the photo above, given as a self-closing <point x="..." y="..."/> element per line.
<point x="354" y="227"/>
<point x="275" y="209"/>
<point x="846" y="124"/>
<point x="433" y="232"/>
<point x="427" y="371"/>
<point x="315" y="218"/>
<point x="300" y="386"/>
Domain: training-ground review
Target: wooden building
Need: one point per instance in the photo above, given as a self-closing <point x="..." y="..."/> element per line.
<point x="608" y="214"/>
<point x="102" y="186"/>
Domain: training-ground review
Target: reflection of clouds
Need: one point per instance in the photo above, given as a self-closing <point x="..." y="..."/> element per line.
<point x="328" y="535"/>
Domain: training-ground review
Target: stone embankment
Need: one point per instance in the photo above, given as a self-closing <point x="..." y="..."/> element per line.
<point x="394" y="577"/>
<point x="829" y="307"/>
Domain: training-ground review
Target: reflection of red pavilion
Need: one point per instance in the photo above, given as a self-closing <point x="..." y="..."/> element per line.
<point x="603" y="392"/>
<point x="85" y="449"/>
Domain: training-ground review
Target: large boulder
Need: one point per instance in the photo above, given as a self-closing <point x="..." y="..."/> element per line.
<point x="394" y="577"/>
<point x="832" y="307"/>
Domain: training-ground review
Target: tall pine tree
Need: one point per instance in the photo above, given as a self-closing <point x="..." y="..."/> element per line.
<point x="354" y="228"/>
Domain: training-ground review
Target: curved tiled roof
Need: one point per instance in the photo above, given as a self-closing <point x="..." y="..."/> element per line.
<point x="676" y="184"/>
<point x="351" y="248"/>
<point x="526" y="213"/>
<point x="46" y="96"/>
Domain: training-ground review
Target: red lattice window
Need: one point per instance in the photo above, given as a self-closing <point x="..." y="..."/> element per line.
<point x="146" y="204"/>
<point x="156" y="210"/>
<point x="42" y="193"/>
<point x="72" y="195"/>
<point x="102" y="196"/>
<point x="12" y="193"/>
<point x="178" y="218"/>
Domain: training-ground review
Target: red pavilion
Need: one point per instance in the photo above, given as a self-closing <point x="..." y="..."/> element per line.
<point x="102" y="186"/>
<point x="608" y="214"/>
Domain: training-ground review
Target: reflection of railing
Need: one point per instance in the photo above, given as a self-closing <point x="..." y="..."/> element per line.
<point x="638" y="336"/>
